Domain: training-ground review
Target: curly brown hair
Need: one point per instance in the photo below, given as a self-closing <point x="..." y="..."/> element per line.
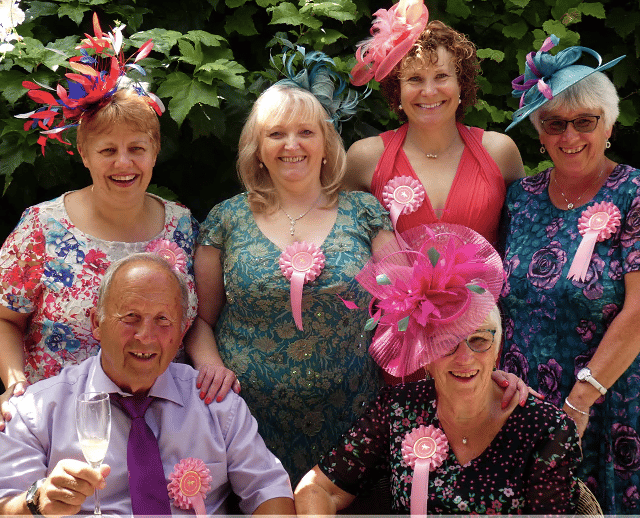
<point x="424" y="52"/>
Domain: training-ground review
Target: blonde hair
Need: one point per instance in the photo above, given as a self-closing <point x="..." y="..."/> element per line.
<point x="280" y="104"/>
<point x="124" y="107"/>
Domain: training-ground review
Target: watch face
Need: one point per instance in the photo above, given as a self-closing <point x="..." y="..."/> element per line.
<point x="583" y="374"/>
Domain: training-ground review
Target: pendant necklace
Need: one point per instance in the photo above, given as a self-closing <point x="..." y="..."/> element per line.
<point x="292" y="221"/>
<point x="571" y="205"/>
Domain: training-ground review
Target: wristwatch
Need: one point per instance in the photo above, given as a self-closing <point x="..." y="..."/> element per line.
<point x="585" y="375"/>
<point x="33" y="498"/>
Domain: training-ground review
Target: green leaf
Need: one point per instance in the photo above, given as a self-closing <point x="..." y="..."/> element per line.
<point x="234" y="4"/>
<point x="371" y="324"/>
<point x="163" y="40"/>
<point x="18" y="155"/>
<point x="595" y="9"/>
<point x="341" y="10"/>
<point x="225" y="70"/>
<point x="191" y="54"/>
<point x="555" y="27"/>
<point x="458" y="8"/>
<point x="495" y="55"/>
<point x="75" y="12"/>
<point x="163" y="192"/>
<point x="287" y="14"/>
<point x="382" y="279"/>
<point x="241" y="21"/>
<point x="403" y="324"/>
<point x="39" y="9"/>
<point x="323" y="38"/>
<point x="628" y="113"/>
<point x="434" y="256"/>
<point x="11" y="85"/>
<point x="519" y="3"/>
<point x="205" y="38"/>
<point x="516" y="30"/>
<point x="185" y="92"/>
<point x="206" y="120"/>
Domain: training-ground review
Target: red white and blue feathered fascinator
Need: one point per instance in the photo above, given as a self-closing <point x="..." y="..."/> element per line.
<point x="428" y="297"/>
<point x="393" y="33"/>
<point x="319" y="76"/>
<point x="546" y="76"/>
<point x="97" y="73"/>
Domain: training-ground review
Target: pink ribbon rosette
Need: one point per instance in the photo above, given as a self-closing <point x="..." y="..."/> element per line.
<point x="429" y="296"/>
<point x="402" y="195"/>
<point x="189" y="484"/>
<point x="393" y="32"/>
<point x="424" y="449"/>
<point x="597" y="223"/>
<point x="301" y="262"/>
<point x="170" y="252"/>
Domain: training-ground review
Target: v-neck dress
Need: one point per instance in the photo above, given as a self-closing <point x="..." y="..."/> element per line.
<point x="553" y="325"/>
<point x="305" y="388"/>
<point x="528" y="468"/>
<point x="477" y="193"/>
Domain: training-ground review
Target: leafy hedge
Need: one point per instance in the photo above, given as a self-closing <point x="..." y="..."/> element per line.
<point x="211" y="59"/>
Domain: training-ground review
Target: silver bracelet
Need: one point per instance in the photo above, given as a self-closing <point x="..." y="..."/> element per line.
<point x="566" y="400"/>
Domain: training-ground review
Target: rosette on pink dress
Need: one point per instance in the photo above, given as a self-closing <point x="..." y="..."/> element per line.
<point x="393" y="32"/>
<point x="424" y="449"/>
<point x="402" y="195"/>
<point x="597" y="223"/>
<point x="189" y="484"/>
<point x="301" y="262"/>
<point x="429" y="296"/>
<point x="170" y="252"/>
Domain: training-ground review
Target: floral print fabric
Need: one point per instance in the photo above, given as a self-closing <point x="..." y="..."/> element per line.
<point x="553" y="325"/>
<point x="305" y="388"/>
<point x="527" y="468"/>
<point x="52" y="270"/>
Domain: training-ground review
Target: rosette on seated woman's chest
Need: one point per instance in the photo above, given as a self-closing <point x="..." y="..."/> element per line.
<point x="597" y="223"/>
<point x="301" y="262"/>
<point x="430" y="296"/>
<point x="423" y="449"/>
<point x="170" y="252"/>
<point x="189" y="484"/>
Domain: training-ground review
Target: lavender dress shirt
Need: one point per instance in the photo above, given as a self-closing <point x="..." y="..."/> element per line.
<point x="224" y="435"/>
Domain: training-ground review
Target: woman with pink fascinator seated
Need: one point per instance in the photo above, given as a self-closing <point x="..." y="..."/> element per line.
<point x="446" y="442"/>
<point x="52" y="263"/>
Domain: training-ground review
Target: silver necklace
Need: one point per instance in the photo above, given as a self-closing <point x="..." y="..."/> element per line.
<point x="571" y="205"/>
<point x="292" y="221"/>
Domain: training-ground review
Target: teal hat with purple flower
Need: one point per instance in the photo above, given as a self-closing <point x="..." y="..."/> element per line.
<point x="546" y="76"/>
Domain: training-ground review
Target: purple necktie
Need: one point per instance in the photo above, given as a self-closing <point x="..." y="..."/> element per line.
<point x="147" y="483"/>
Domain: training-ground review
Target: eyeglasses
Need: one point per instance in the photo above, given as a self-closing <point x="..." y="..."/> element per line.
<point x="583" y="124"/>
<point x="478" y="342"/>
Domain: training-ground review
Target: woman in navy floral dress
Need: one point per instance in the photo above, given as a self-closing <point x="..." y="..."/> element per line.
<point x="489" y="458"/>
<point x="575" y="336"/>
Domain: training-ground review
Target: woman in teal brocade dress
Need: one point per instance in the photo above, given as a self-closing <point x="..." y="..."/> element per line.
<point x="305" y="386"/>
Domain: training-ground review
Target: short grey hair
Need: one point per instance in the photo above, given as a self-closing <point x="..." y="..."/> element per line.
<point x="594" y="92"/>
<point x="143" y="257"/>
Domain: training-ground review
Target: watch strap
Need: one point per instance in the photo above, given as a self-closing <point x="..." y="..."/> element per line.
<point x="588" y="377"/>
<point x="33" y="498"/>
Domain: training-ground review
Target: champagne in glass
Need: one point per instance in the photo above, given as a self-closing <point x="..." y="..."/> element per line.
<point x="93" y="422"/>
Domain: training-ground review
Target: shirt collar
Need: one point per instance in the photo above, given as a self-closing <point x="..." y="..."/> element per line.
<point x="164" y="387"/>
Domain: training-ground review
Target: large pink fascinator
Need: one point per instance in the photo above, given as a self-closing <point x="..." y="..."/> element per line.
<point x="393" y="32"/>
<point x="429" y="297"/>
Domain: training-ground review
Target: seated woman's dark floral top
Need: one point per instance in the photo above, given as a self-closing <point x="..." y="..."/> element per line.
<point x="528" y="467"/>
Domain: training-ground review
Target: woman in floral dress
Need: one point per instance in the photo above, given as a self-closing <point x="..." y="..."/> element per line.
<point x="484" y="458"/>
<point x="52" y="263"/>
<point x="572" y="301"/>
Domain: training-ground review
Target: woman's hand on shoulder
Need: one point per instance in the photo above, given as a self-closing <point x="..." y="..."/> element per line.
<point x="215" y="381"/>
<point x="362" y="159"/>
<point x="16" y="389"/>
<point x="506" y="154"/>
<point x="513" y="387"/>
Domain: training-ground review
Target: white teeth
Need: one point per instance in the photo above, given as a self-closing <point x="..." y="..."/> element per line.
<point x="144" y="356"/>
<point x="573" y="151"/>
<point x="126" y="178"/>
<point x="434" y="105"/>
<point x="464" y="374"/>
<point x="292" y="158"/>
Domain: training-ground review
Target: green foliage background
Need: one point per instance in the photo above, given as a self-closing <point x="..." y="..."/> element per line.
<point x="211" y="59"/>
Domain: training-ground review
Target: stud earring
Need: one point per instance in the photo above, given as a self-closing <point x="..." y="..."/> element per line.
<point x="324" y="161"/>
<point x="543" y="150"/>
<point x="400" y="106"/>
<point x="260" y="165"/>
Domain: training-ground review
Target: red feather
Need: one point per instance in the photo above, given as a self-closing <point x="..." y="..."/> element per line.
<point x="97" y="30"/>
<point x="42" y="97"/>
<point x="144" y="51"/>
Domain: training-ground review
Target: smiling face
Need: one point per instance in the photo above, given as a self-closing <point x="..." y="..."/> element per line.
<point x="431" y="94"/>
<point x="574" y="153"/>
<point x="465" y="373"/>
<point x="120" y="162"/>
<point x="292" y="149"/>
<point x="141" y="326"/>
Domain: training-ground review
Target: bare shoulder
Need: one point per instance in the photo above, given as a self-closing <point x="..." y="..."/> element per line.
<point x="504" y="151"/>
<point x="362" y="158"/>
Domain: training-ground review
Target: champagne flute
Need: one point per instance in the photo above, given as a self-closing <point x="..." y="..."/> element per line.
<point x="93" y="423"/>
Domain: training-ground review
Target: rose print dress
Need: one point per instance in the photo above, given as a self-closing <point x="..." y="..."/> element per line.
<point x="52" y="270"/>
<point x="553" y="325"/>
<point x="527" y="469"/>
<point x="305" y="388"/>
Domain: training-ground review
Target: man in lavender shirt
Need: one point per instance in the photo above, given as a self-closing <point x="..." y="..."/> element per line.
<point x="140" y="322"/>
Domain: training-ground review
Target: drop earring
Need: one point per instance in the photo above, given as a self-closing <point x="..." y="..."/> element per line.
<point x="543" y="149"/>
<point x="607" y="145"/>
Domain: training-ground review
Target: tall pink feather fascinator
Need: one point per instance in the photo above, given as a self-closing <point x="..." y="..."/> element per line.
<point x="429" y="297"/>
<point x="393" y="32"/>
